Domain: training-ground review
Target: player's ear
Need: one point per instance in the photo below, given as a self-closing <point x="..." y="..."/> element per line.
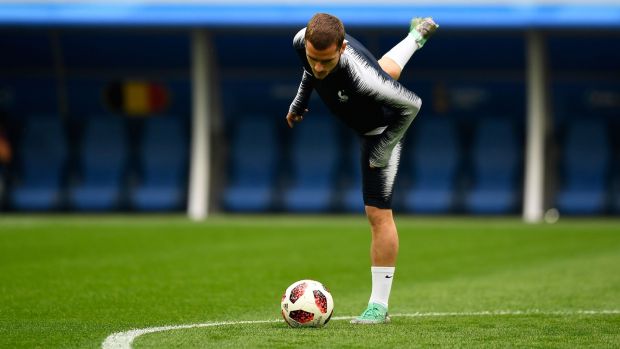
<point x="344" y="45"/>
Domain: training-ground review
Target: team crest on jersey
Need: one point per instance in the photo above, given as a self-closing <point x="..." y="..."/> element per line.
<point x="342" y="97"/>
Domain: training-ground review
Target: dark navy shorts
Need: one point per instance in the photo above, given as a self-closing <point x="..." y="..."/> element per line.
<point x="378" y="183"/>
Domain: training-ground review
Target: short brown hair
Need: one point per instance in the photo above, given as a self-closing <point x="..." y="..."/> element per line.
<point x="324" y="30"/>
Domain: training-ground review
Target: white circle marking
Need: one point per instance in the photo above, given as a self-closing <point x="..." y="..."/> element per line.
<point x="124" y="340"/>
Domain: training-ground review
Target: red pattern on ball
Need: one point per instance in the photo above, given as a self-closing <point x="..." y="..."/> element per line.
<point x="301" y="316"/>
<point x="321" y="301"/>
<point x="297" y="292"/>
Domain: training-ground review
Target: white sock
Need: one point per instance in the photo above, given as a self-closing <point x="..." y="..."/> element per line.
<point x="381" y="284"/>
<point x="402" y="52"/>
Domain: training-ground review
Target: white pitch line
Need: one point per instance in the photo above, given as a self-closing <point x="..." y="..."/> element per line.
<point x="123" y="340"/>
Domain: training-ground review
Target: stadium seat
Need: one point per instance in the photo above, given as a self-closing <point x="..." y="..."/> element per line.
<point x="252" y="177"/>
<point x="585" y="163"/>
<point x="164" y="158"/>
<point x="103" y="158"/>
<point x="42" y="155"/>
<point x="432" y="156"/>
<point x="351" y="196"/>
<point x="615" y="199"/>
<point x="3" y="186"/>
<point x="495" y="161"/>
<point x="314" y="152"/>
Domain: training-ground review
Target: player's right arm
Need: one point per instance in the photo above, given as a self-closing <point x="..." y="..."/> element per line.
<point x="300" y="104"/>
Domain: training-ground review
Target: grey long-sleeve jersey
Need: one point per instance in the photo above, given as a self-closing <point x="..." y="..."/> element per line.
<point x="362" y="95"/>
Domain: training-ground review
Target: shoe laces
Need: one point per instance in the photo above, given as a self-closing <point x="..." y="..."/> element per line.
<point x="372" y="312"/>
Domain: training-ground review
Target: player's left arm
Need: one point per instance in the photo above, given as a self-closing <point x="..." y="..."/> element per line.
<point x="394" y="95"/>
<point x="408" y="105"/>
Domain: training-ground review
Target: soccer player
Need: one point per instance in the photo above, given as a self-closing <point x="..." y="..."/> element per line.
<point x="365" y="95"/>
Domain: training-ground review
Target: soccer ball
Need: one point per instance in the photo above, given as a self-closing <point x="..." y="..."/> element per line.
<point x="307" y="303"/>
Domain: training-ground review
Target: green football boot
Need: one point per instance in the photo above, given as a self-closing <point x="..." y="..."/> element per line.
<point x="422" y="29"/>
<point x="374" y="314"/>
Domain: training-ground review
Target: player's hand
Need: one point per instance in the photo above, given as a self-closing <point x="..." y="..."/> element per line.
<point x="292" y="118"/>
<point x="380" y="162"/>
<point x="373" y="166"/>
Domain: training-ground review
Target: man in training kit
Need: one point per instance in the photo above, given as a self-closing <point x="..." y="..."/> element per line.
<point x="365" y="95"/>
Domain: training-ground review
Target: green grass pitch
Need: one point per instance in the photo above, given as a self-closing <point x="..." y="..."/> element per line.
<point x="70" y="281"/>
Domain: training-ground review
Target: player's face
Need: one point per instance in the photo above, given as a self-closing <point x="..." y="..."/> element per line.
<point x="325" y="61"/>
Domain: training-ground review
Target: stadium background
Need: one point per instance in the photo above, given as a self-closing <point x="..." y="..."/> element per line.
<point x="97" y="108"/>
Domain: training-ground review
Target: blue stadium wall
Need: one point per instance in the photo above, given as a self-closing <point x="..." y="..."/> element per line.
<point x="57" y="78"/>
